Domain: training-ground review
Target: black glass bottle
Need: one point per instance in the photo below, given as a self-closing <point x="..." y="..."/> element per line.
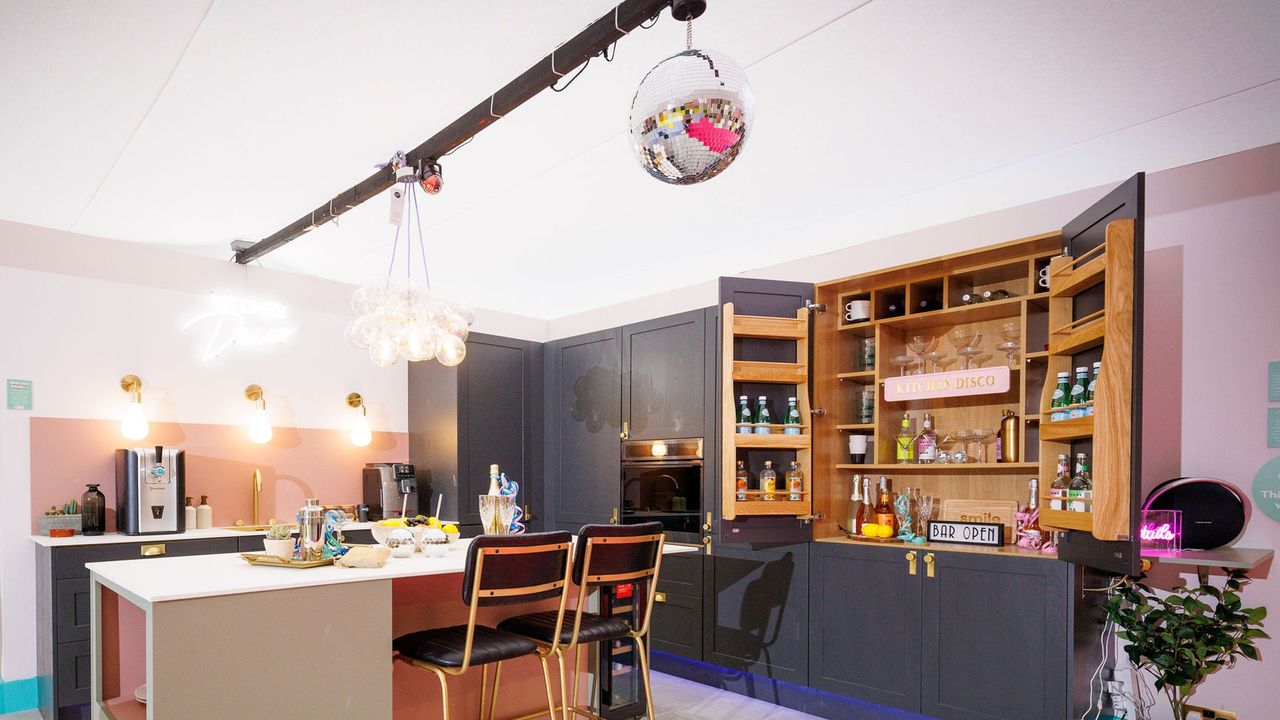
<point x="93" y="511"/>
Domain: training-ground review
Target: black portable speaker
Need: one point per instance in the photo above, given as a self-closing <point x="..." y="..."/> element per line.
<point x="1214" y="512"/>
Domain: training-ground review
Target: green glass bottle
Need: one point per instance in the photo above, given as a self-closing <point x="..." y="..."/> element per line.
<point x="1060" y="394"/>
<point x="1078" y="391"/>
<point x="792" y="421"/>
<point x="744" y="416"/>
<point x="763" y="418"/>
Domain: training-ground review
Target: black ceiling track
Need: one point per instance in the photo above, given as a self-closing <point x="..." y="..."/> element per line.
<point x="592" y="41"/>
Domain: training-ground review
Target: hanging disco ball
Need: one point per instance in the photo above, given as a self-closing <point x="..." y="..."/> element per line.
<point x="690" y="116"/>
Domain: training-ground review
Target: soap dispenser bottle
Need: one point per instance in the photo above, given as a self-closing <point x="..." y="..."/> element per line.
<point x="204" y="514"/>
<point x="189" y="515"/>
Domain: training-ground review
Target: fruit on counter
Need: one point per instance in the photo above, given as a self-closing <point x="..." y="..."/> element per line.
<point x="450" y="529"/>
<point x="871" y="530"/>
<point x="392" y="522"/>
<point x="422" y="520"/>
<point x="884" y="531"/>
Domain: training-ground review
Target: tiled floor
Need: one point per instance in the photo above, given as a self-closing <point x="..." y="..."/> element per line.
<point x="679" y="699"/>
<point x="675" y="699"/>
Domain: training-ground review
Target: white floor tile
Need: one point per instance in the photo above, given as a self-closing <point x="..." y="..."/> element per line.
<point x="679" y="699"/>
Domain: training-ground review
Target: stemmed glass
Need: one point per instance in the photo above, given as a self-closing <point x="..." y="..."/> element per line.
<point x="920" y="344"/>
<point x="901" y="362"/>
<point x="983" y="437"/>
<point x="964" y="437"/>
<point x="1011" y="332"/>
<point x="972" y="349"/>
<point x="935" y="359"/>
<point x="924" y="513"/>
<point x="965" y="339"/>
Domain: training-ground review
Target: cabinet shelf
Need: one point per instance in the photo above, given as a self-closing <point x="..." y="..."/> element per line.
<point x="769" y="372"/>
<point x="857" y="375"/>
<point x="857" y="426"/>
<point x="1083" y="273"/>
<point x="769" y="328"/>
<point x="1066" y="519"/>
<point x="944" y="468"/>
<point x="1072" y="429"/>
<point x="1086" y="336"/>
<point x="773" y="442"/>
<point x="793" y="508"/>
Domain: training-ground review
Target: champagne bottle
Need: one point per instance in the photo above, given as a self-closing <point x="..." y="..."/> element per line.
<point x="768" y="481"/>
<point x="867" y="515"/>
<point x="1031" y="532"/>
<point x="855" y="506"/>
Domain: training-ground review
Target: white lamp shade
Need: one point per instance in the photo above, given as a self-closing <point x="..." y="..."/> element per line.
<point x="134" y="426"/>
<point x="260" y="427"/>
<point x="361" y="436"/>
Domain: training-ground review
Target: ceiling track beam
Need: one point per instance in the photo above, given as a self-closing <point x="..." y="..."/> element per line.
<point x="567" y="57"/>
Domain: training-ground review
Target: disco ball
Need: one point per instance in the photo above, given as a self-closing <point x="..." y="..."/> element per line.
<point x="690" y="116"/>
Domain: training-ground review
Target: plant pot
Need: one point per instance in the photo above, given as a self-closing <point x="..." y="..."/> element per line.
<point x="282" y="549"/>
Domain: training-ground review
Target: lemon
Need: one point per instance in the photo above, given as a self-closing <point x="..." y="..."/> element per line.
<point x="433" y="521"/>
<point x="450" y="529"/>
<point x="884" y="531"/>
<point x="871" y="530"/>
<point x="391" y="522"/>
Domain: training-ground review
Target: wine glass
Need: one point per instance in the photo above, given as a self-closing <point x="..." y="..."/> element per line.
<point x="964" y="437"/>
<point x="961" y="336"/>
<point x="983" y="437"/>
<point x="973" y="348"/>
<point x="935" y="359"/>
<point x="924" y="513"/>
<point x="919" y="344"/>
<point x="1011" y="331"/>
<point x="901" y="362"/>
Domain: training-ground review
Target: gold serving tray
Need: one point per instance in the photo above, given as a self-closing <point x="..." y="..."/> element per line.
<point x="273" y="561"/>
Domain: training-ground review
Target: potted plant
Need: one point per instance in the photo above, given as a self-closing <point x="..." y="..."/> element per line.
<point x="1183" y="636"/>
<point x="279" y="541"/>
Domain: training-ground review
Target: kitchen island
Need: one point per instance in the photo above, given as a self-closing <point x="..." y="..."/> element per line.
<point x="282" y="641"/>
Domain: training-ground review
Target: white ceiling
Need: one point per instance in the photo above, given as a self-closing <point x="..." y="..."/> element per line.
<point x="185" y="124"/>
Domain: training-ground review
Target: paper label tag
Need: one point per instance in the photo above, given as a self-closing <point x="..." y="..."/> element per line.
<point x="397" y="205"/>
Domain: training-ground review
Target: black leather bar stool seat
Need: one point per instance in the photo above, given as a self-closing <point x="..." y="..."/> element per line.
<point x="542" y="627"/>
<point x="446" y="647"/>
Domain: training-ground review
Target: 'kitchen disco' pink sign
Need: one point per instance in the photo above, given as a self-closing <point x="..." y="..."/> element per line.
<point x="957" y="383"/>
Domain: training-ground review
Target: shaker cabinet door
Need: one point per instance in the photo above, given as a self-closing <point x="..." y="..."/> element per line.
<point x="1004" y="620"/>
<point x="584" y="417"/>
<point x="663" y="394"/>
<point x="760" y="620"/>
<point x="865" y="640"/>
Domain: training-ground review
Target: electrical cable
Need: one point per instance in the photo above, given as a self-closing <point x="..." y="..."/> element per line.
<point x="571" y="79"/>
<point x="422" y="248"/>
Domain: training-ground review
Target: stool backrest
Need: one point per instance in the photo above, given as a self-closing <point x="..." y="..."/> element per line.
<point x="507" y="569"/>
<point x="612" y="555"/>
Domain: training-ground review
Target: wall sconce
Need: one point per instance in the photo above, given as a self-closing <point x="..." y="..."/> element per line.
<point x="134" y="425"/>
<point x="361" y="436"/>
<point x="260" y="426"/>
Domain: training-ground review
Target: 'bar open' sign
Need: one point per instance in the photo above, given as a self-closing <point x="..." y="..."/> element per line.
<point x="967" y="533"/>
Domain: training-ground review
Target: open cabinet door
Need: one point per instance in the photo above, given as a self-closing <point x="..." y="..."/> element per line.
<point x="1097" y="293"/>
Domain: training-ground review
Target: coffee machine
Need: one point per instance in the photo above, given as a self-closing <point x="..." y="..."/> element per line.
<point x="150" y="484"/>
<point x="386" y="485"/>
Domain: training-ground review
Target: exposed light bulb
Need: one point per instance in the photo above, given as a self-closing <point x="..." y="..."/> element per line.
<point x="361" y="436"/>
<point x="260" y="427"/>
<point x="134" y="426"/>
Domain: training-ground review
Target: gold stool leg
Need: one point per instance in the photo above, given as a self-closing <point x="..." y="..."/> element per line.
<point x="484" y="688"/>
<point x="493" y="701"/>
<point x="643" y="653"/>
<point x="444" y="692"/>
<point x="546" y="679"/>
<point x="577" y="675"/>
<point x="564" y="692"/>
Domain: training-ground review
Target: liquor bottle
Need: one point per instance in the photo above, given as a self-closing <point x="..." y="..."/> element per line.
<point x="855" y="506"/>
<point x="1078" y="390"/>
<point x="906" y="441"/>
<point x="744" y="416"/>
<point x="1032" y="535"/>
<point x="791" y="425"/>
<point x="1061" y="483"/>
<point x="741" y="478"/>
<point x="1060" y="394"/>
<point x="795" y="482"/>
<point x="768" y="481"/>
<point x="894" y="309"/>
<point x="1000" y="294"/>
<point x="867" y="515"/>
<point x="763" y="419"/>
<point x="927" y="443"/>
<point x="1092" y="388"/>
<point x="884" y="506"/>
<point x="971" y="298"/>
<point x="1081" y="485"/>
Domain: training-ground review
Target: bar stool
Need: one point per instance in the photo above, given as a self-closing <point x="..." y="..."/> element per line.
<point x="604" y="556"/>
<point x="500" y="570"/>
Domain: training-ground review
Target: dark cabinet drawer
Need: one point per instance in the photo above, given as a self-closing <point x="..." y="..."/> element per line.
<point x="69" y="562"/>
<point x="676" y="626"/>
<point x="681" y="574"/>
<point x="74" y="668"/>
<point x="71" y="610"/>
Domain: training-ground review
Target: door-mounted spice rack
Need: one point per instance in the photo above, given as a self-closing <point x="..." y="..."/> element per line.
<point x="735" y="445"/>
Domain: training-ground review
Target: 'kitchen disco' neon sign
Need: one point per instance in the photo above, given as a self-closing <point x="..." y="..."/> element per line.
<point x="240" y="323"/>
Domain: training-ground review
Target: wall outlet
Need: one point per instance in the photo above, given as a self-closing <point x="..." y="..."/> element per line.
<point x="1208" y="713"/>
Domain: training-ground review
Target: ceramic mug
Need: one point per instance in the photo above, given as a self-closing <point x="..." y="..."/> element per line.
<point x="857" y="311"/>
<point x="858" y="448"/>
<point x="1043" y="280"/>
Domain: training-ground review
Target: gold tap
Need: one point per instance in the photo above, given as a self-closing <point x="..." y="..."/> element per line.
<point x="257" y="491"/>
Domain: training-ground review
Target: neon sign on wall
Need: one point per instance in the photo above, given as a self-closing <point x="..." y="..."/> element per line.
<point x="1161" y="530"/>
<point x="240" y="323"/>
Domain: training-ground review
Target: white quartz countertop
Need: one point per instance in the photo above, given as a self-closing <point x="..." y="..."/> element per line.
<point x="167" y="579"/>
<point x="116" y="538"/>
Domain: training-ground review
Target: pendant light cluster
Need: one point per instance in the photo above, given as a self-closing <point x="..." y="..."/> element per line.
<point x="399" y="317"/>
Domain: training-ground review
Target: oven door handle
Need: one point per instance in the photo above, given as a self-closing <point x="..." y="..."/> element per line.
<point x="640" y="464"/>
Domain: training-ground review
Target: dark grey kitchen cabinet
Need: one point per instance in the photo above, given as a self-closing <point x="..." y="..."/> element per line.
<point x="663" y="389"/>
<point x="583" y="422"/>
<point x="920" y="643"/>
<point x="488" y="410"/>
<point x="760" y="614"/>
<point x="676" y="626"/>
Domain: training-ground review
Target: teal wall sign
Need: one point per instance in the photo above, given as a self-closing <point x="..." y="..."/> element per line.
<point x="1266" y="489"/>
<point x="19" y="394"/>
<point x="1273" y="427"/>
<point x="1273" y="381"/>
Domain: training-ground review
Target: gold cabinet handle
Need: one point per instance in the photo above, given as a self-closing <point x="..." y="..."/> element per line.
<point x="911" y="562"/>
<point x="153" y="550"/>
<point x="528" y="514"/>
<point x="614" y="519"/>
<point x="659" y="597"/>
<point x="706" y="542"/>
<point x="626" y="431"/>
<point x="707" y="526"/>
<point x="928" y="565"/>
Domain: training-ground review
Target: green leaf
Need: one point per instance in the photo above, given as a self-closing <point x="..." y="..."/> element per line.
<point x="1256" y="615"/>
<point x="1249" y="651"/>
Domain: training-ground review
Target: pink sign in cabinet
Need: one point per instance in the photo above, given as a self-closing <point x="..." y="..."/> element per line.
<point x="956" y="383"/>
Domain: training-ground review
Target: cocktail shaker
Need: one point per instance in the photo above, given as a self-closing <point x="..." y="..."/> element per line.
<point x="311" y="530"/>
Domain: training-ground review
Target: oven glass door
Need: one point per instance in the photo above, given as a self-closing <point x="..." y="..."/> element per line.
<point x="667" y="491"/>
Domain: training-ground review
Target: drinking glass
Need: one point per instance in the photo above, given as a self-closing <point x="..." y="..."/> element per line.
<point x="935" y="359"/>
<point x="924" y="513"/>
<point x="867" y="404"/>
<point x="983" y="437"/>
<point x="964" y="437"/>
<point x="964" y="338"/>
<point x="1011" y="331"/>
<point x="901" y="362"/>
<point x="920" y="344"/>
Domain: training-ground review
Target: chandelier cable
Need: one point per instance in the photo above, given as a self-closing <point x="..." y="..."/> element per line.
<point x="422" y="247"/>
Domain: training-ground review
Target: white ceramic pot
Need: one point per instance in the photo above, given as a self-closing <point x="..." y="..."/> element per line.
<point x="282" y="549"/>
<point x="401" y="542"/>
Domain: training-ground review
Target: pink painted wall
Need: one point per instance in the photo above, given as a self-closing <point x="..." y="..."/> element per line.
<point x="1212" y="297"/>
<point x="297" y="464"/>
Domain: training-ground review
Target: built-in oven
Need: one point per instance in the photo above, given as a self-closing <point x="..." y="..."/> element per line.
<point x="662" y="480"/>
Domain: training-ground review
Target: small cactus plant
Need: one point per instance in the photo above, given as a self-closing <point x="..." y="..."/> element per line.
<point x="279" y="532"/>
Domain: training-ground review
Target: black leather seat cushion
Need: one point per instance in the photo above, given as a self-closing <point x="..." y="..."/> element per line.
<point x="542" y="625"/>
<point x="444" y="646"/>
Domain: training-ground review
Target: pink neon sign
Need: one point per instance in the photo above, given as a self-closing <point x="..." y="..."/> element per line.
<point x="1161" y="530"/>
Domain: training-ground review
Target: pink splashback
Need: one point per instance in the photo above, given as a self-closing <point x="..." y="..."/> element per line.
<point x="298" y="463"/>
